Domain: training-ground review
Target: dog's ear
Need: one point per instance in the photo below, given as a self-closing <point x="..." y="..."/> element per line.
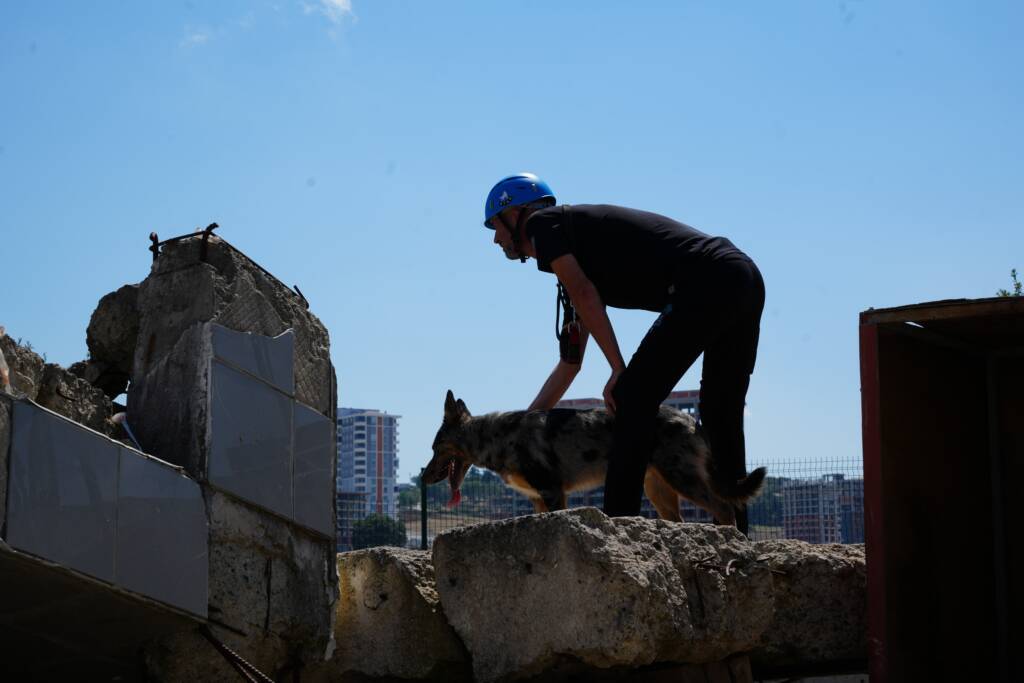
<point x="451" y="408"/>
<point x="463" y="410"/>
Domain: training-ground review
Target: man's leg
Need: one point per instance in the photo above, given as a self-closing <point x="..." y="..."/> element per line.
<point x="728" y="362"/>
<point x="722" y="399"/>
<point x="671" y="346"/>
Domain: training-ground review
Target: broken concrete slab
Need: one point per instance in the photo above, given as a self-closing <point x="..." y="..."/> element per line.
<point x="820" y="604"/>
<point x="76" y="399"/>
<point x="111" y="382"/>
<point x="271" y="582"/>
<point x="237" y="431"/>
<point x="228" y="288"/>
<point x="111" y="337"/>
<point x="390" y="622"/>
<point x="55" y="388"/>
<point x="216" y="337"/>
<point x="168" y="406"/>
<point x="207" y="325"/>
<point x="601" y="592"/>
<point x="25" y="367"/>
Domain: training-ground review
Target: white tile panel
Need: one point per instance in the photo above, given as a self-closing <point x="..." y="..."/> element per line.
<point x="250" y="442"/>
<point x="62" y="499"/>
<point x="269" y="358"/>
<point x="314" y="470"/>
<point x="161" y="533"/>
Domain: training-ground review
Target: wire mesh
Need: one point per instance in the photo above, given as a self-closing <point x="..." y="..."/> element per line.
<point x="818" y="501"/>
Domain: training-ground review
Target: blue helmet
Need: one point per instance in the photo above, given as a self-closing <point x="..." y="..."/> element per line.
<point x="515" y="190"/>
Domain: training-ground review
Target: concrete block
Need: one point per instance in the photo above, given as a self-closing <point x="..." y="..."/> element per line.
<point x="601" y="592"/>
<point x="161" y="533"/>
<point x="250" y="448"/>
<point x="62" y="500"/>
<point x="315" y="453"/>
<point x="390" y="622"/>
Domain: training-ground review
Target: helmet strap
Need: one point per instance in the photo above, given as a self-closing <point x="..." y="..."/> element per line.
<point x="520" y="224"/>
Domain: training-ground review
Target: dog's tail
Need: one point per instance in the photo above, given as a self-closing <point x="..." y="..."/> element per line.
<point x="741" y="490"/>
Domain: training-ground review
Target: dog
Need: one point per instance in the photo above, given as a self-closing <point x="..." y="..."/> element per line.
<point x="547" y="454"/>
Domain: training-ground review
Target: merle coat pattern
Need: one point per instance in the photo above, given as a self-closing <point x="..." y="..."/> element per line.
<point x="548" y="454"/>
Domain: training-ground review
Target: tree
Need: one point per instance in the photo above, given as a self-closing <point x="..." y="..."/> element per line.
<point x="1016" y="286"/>
<point x="409" y="498"/>
<point x="377" y="530"/>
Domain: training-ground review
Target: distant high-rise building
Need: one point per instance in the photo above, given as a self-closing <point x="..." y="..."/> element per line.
<point x="367" y="464"/>
<point x="825" y="510"/>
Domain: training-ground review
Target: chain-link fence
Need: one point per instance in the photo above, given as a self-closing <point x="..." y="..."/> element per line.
<point x="819" y="501"/>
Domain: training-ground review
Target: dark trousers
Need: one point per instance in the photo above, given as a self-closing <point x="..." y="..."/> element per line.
<point x="719" y="316"/>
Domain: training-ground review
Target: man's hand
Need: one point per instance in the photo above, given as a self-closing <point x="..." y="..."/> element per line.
<point x="609" y="400"/>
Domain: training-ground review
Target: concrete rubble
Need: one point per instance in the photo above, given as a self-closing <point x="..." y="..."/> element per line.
<point x="166" y="400"/>
<point x="56" y="388"/>
<point x="575" y="595"/>
<point x="272" y="580"/>
<point x="111" y="337"/>
<point x="820" y="604"/>
<point x="390" y="622"/>
<point x="273" y="584"/>
<point x="601" y="592"/>
<point x="565" y="596"/>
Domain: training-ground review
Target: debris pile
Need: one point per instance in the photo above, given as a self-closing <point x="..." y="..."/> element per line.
<point x="575" y="595"/>
<point x="28" y="375"/>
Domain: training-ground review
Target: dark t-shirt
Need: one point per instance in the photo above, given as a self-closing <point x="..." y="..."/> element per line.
<point x="631" y="256"/>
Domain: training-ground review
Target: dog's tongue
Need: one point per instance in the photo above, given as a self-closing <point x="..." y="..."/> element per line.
<point x="456" y="492"/>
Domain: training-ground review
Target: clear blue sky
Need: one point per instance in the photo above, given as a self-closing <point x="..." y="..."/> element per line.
<point x="864" y="153"/>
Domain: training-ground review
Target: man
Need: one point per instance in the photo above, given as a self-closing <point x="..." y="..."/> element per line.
<point x="709" y="295"/>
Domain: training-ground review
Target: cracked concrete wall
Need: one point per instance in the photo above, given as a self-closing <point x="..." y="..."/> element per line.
<point x="272" y="583"/>
<point x="272" y="592"/>
<point x="180" y="294"/>
<point x="233" y="291"/>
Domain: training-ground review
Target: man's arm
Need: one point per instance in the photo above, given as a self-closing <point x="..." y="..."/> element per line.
<point x="588" y="304"/>
<point x="560" y="378"/>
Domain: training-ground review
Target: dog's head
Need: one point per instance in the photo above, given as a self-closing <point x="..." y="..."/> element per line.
<point x="451" y="458"/>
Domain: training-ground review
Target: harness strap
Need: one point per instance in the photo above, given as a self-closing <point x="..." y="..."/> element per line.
<point x="567" y="332"/>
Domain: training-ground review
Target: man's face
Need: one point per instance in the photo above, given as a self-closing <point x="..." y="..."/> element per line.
<point x="503" y="223"/>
